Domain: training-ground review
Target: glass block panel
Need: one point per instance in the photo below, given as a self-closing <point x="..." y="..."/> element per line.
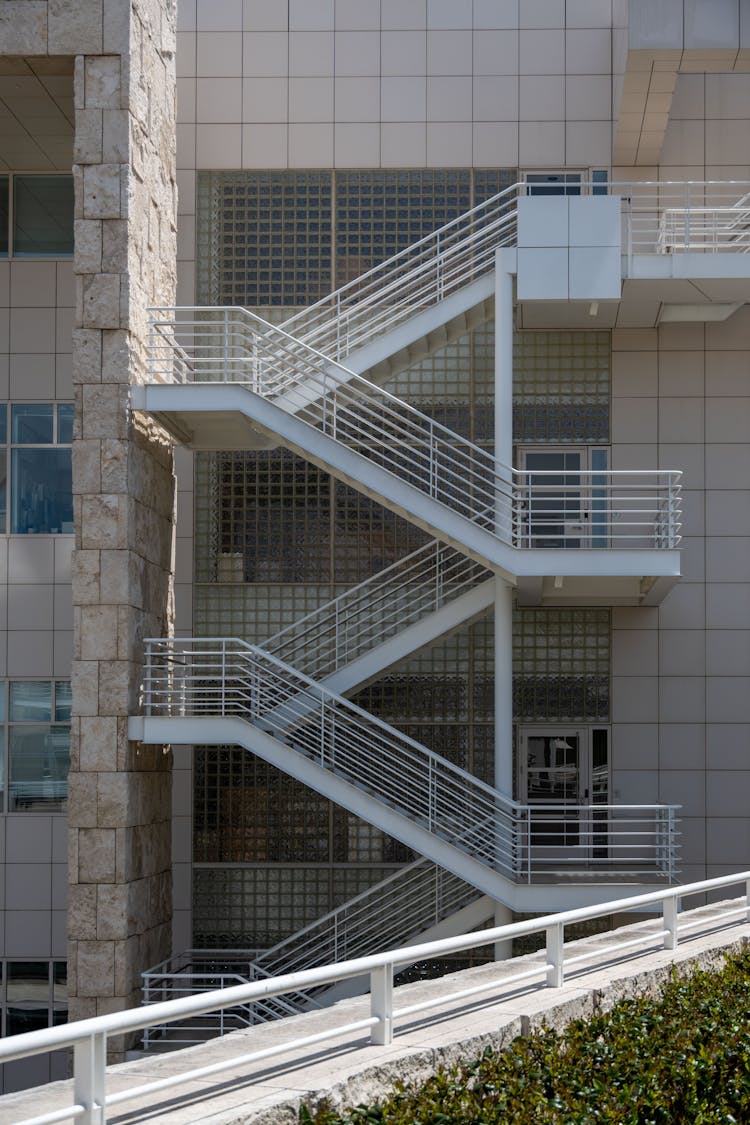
<point x="380" y="213"/>
<point x="561" y="386"/>
<point x="43" y="216"/>
<point x="42" y="496"/>
<point x="561" y="664"/>
<point x="264" y="238"/>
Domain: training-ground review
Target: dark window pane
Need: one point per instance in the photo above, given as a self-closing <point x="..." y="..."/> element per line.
<point x="43" y="216"/>
<point x="42" y="497"/>
<point x="38" y="768"/>
<point x="30" y="701"/>
<point x="28" y="980"/>
<point x="32" y="423"/>
<point x="3" y="216"/>
<point x="65" y="423"/>
<point x="62" y="701"/>
<point x="19" y="1020"/>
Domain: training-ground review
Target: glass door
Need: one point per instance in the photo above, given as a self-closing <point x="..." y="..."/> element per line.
<point x="563" y="504"/>
<point x="564" y="775"/>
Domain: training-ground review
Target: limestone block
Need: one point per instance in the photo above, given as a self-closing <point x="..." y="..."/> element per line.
<point x="115" y="799"/>
<point x="23" y="27"/>
<point x="98" y="632"/>
<point x="82" y="910"/>
<point x="121" y="577"/>
<point x="113" y="919"/>
<point x="101" y="300"/>
<point x="116" y="21"/>
<point x="116" y="693"/>
<point x="82" y="800"/>
<point x="104" y="413"/>
<point x="96" y="964"/>
<point x="129" y="963"/>
<point x="98" y="746"/>
<point x="87" y="142"/>
<point x="87" y="355"/>
<point x="88" y="244"/>
<point x="85" y="683"/>
<point x="114" y="463"/>
<point x="96" y="854"/>
<point x="102" y="77"/>
<point x="102" y="194"/>
<point x="75" y="27"/>
<point x="115" y="246"/>
<point x="116" y="356"/>
<point x="115" y="135"/>
<point x="104" y="521"/>
<point x="86" y="462"/>
<point x="86" y="573"/>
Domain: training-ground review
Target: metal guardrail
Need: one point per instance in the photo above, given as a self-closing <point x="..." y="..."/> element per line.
<point x="627" y="509"/>
<point x="375" y="610"/>
<point x="673" y="217"/>
<point x="88" y="1038"/>
<point x="406" y="903"/>
<point x="227" y="677"/>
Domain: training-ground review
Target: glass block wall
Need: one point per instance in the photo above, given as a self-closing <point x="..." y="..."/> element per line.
<point x="276" y="536"/>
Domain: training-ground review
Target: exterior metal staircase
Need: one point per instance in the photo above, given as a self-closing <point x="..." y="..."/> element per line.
<point x="224" y="379"/>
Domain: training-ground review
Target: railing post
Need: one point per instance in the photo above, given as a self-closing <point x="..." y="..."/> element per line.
<point x="555" y="944"/>
<point x="89" y="1078"/>
<point x="223" y="678"/>
<point x="226" y="345"/>
<point x="381" y="1004"/>
<point x="669" y="913"/>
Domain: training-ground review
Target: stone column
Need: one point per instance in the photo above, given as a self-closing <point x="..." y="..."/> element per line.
<point x="119" y="914"/>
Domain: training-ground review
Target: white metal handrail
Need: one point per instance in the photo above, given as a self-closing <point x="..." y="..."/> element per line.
<point x="405" y="904"/>
<point x="630" y="509"/>
<point x="669" y="216"/>
<point x="88" y="1038"/>
<point x="228" y="677"/>
<point x="336" y="633"/>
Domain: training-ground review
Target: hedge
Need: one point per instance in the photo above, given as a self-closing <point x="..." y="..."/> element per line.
<point x="681" y="1057"/>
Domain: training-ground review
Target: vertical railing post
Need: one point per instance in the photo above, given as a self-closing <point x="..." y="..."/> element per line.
<point x="89" y="1078"/>
<point x="669" y="914"/>
<point x="747" y="900"/>
<point x="555" y="946"/>
<point x="226" y="346"/>
<point x="381" y="1004"/>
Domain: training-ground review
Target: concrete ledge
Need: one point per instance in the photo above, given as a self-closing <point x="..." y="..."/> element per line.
<point x="349" y="1070"/>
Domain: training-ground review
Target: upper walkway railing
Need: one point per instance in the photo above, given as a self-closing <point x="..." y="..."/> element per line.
<point x="220" y="677"/>
<point x="88" y="1038"/>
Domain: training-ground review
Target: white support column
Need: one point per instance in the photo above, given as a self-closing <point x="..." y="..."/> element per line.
<point x="505" y="268"/>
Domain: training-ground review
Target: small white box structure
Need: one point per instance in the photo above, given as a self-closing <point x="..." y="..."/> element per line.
<point x="569" y="248"/>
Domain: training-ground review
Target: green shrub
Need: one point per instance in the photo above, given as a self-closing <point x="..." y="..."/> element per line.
<point x="683" y="1057"/>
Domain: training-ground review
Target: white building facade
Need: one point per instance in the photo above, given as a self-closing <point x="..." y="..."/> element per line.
<point x="555" y="634"/>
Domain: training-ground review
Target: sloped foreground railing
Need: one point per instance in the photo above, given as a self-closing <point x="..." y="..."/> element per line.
<point x="396" y="909"/>
<point x="88" y="1038"/>
<point x="217" y="677"/>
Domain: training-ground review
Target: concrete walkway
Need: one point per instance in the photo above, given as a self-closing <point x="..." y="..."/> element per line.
<point x="349" y="1070"/>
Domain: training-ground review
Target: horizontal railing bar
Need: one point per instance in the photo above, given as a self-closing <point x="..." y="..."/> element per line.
<point x="449" y="998"/>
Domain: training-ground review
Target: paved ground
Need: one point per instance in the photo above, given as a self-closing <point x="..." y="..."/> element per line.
<point x="348" y="1069"/>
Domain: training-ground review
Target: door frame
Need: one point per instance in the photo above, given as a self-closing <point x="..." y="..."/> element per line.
<point x="590" y="529"/>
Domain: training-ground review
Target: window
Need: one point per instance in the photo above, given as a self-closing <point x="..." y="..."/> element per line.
<point x="41" y="492"/>
<point x="36" y="216"/>
<point x="35" y="995"/>
<point x="36" y="730"/>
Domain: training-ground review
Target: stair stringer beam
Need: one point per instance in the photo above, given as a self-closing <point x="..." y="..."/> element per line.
<point x="336" y="458"/>
<point x="232" y="730"/>
<point x="171" y="403"/>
